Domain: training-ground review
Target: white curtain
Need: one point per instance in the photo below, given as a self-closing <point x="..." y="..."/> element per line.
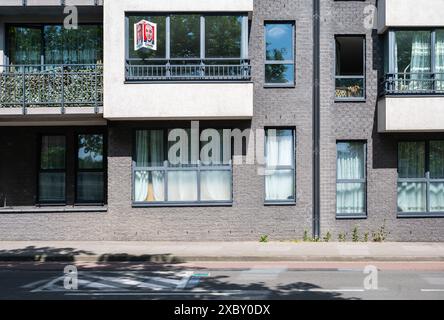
<point x="412" y="197"/>
<point x="149" y="185"/>
<point x="215" y="185"/>
<point x="279" y="183"/>
<point x="439" y="59"/>
<point x="350" y="196"/>
<point x="182" y="186"/>
<point x="420" y="61"/>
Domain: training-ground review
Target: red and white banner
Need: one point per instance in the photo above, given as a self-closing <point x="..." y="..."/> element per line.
<point x="145" y="35"/>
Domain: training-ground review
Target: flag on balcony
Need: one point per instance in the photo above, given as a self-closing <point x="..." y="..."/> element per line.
<point x="145" y="35"/>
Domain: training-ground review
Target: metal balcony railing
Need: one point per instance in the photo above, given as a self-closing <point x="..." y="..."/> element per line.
<point x="212" y="70"/>
<point x="426" y="83"/>
<point x="58" y="86"/>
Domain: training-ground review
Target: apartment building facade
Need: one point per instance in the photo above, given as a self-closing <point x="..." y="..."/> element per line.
<point x="91" y="118"/>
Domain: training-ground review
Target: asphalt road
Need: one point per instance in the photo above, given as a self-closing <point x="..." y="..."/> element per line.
<point x="224" y="281"/>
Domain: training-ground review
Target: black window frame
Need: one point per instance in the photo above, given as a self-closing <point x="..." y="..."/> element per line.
<point x="277" y="168"/>
<point x="364" y="181"/>
<point x="283" y="62"/>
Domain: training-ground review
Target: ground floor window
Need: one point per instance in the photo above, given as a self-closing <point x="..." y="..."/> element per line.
<point x="90" y="169"/>
<point x="280" y="165"/>
<point x="166" y="172"/>
<point x="421" y="177"/>
<point x="350" y="178"/>
<point x="52" y="169"/>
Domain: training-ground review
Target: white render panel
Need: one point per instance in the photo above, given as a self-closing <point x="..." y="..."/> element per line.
<point x="411" y="114"/>
<point x="139" y="101"/>
<point x="19" y="3"/>
<point x="410" y="13"/>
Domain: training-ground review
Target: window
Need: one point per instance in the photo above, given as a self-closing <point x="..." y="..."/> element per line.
<point x="420" y="177"/>
<point x="350" y="179"/>
<point x="90" y="169"/>
<point x="415" y="61"/>
<point x="223" y="36"/>
<point x="280" y="166"/>
<point x="52" y="173"/>
<point x="53" y="44"/>
<point x="350" y="65"/>
<point x="164" y="171"/>
<point x="279" y="54"/>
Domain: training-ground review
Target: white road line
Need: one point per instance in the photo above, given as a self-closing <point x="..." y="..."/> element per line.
<point x="432" y="290"/>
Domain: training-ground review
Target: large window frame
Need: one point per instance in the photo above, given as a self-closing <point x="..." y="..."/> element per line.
<point x="351" y="77"/>
<point x="79" y="170"/>
<point x="172" y="65"/>
<point x="427" y="180"/>
<point x="166" y="168"/>
<point x="363" y="181"/>
<point x="292" y="167"/>
<point x="55" y="170"/>
<point x="392" y="81"/>
<point x="291" y="62"/>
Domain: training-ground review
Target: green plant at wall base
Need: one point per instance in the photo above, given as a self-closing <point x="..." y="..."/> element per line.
<point x="342" y="237"/>
<point x="366" y="237"/>
<point x="306" y="237"/>
<point x="355" y="234"/>
<point x="263" y="238"/>
<point x="380" y="235"/>
<point x="327" y="237"/>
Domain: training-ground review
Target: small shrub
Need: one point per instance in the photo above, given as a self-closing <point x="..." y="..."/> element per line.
<point x="355" y="234"/>
<point x="263" y="238"/>
<point x="327" y="236"/>
<point x="342" y="237"/>
<point x="306" y="237"/>
<point x="366" y="237"/>
<point x="380" y="235"/>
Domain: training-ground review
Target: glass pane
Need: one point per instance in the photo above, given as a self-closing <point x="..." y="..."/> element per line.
<point x="73" y="46"/>
<point x="279" y="41"/>
<point x="439" y="60"/>
<point x="150" y="148"/>
<point x="411" y="159"/>
<point x="279" y="185"/>
<point x="350" y="160"/>
<point x="350" y="198"/>
<point x="90" y="187"/>
<point x="279" y="149"/>
<point x="52" y="154"/>
<point x="413" y="60"/>
<point x="215" y="185"/>
<point x="437" y="197"/>
<point x="25" y="45"/>
<point x="279" y="73"/>
<point x="185" y="36"/>
<point x="179" y="148"/>
<point x="212" y="149"/>
<point x="146" y="53"/>
<point x="437" y="159"/>
<point x="90" y="153"/>
<point x="349" y="56"/>
<point x="411" y="197"/>
<point x="349" y="88"/>
<point x="182" y="186"/>
<point x="223" y="36"/>
<point x="52" y="187"/>
<point x="149" y="186"/>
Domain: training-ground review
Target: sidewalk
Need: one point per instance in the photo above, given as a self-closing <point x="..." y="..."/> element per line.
<point x="178" y="252"/>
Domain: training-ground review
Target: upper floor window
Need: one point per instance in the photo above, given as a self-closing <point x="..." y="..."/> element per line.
<point x="53" y="44"/>
<point x="279" y="54"/>
<point x="414" y="61"/>
<point x="350" y="68"/>
<point x="189" y="47"/>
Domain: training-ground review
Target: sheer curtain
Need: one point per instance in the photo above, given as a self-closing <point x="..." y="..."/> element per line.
<point x="149" y="184"/>
<point x="350" y="166"/>
<point x="279" y="182"/>
<point x="439" y="60"/>
<point x="420" y="61"/>
<point x="215" y="185"/>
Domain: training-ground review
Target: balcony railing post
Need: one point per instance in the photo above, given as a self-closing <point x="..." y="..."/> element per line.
<point x="23" y="90"/>
<point x="62" y="106"/>
<point x="96" y="106"/>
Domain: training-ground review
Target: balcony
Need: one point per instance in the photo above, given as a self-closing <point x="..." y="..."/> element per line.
<point x="413" y="84"/>
<point x="51" y="89"/>
<point x="196" y="70"/>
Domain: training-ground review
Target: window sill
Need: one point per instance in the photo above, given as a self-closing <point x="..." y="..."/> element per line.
<point x="280" y="86"/>
<point x="182" y="204"/>
<point x="351" y="216"/>
<point x="279" y="203"/>
<point x="350" y="100"/>
<point x="53" y="209"/>
<point x="404" y="215"/>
